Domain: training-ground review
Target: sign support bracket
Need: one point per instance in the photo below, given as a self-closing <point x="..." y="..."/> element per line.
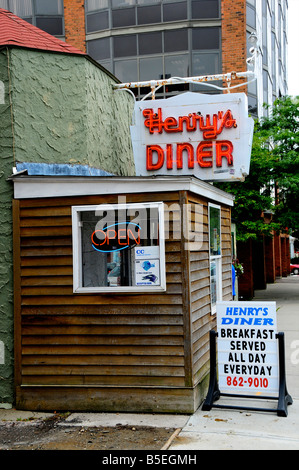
<point x="284" y="399"/>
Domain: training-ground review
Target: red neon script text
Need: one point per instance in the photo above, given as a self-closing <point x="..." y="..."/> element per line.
<point x="210" y="127"/>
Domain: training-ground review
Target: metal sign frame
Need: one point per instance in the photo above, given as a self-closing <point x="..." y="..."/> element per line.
<point x="250" y="75"/>
<point x="214" y="394"/>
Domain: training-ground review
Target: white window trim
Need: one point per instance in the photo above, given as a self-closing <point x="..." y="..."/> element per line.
<point x="218" y="259"/>
<point x="77" y="250"/>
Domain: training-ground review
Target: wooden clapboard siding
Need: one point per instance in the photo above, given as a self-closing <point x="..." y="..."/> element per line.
<point x="201" y="318"/>
<point x="75" y="339"/>
<point x="110" y="352"/>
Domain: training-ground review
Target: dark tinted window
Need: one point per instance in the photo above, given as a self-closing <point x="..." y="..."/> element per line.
<point x="123" y="17"/>
<point x="125" y="46"/>
<point x="205" y="9"/>
<point x="149" y="14"/>
<point x="50" y="25"/>
<point x="99" y="49"/>
<point x="150" y="43"/>
<point x="250" y="16"/>
<point x="205" y="38"/>
<point x="46" y="7"/>
<point x="175" y="11"/>
<point x="176" y="40"/>
<point x="97" y="21"/>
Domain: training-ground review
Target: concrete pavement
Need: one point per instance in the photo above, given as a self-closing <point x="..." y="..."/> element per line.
<point x="220" y="429"/>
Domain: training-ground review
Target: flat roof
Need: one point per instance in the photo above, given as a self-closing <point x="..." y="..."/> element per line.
<point x="45" y="186"/>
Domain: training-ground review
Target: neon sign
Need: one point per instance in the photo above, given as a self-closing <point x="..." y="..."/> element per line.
<point x="208" y="136"/>
<point x="192" y="122"/>
<point x="116" y="237"/>
<point x="202" y="153"/>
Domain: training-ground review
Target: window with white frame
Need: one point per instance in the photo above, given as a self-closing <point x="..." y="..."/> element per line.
<point x="118" y="248"/>
<point x="215" y="254"/>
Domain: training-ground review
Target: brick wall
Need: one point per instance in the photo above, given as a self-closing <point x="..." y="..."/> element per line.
<point x="234" y="52"/>
<point x="74" y="19"/>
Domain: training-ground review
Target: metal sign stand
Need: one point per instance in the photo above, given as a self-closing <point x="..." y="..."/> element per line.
<point x="284" y="399"/>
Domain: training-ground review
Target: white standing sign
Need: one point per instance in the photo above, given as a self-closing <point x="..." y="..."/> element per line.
<point x="207" y="136"/>
<point x="247" y="348"/>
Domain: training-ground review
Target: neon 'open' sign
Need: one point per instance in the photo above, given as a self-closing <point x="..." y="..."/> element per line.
<point x="116" y="237"/>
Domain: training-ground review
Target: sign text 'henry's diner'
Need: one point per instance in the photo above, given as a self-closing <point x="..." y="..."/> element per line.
<point x="192" y="134"/>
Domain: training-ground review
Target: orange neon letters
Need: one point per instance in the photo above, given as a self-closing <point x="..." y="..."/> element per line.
<point x="224" y="149"/>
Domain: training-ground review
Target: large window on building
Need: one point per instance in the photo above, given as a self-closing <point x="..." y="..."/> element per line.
<point x="151" y="40"/>
<point x="161" y="54"/>
<point x="215" y="254"/>
<point x="46" y="15"/>
<point x="124" y="13"/>
<point x="118" y="248"/>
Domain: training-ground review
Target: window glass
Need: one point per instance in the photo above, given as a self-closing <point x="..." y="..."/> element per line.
<point x="215" y="254"/>
<point x="176" y="66"/>
<point x="141" y="2"/>
<point x="97" y="21"/>
<point x="176" y="40"/>
<point x="205" y="63"/>
<point x="206" y="38"/>
<point x="149" y="14"/>
<point x="151" y="68"/>
<point x="92" y="5"/>
<point x="174" y="11"/>
<point x="99" y="49"/>
<point x="205" y="9"/>
<point x="52" y="26"/>
<point x="125" y="45"/>
<point x="122" y="3"/>
<point x="150" y="43"/>
<point x="250" y="16"/>
<point x="215" y="235"/>
<point x="44" y="7"/>
<point x="123" y="17"/>
<point x="118" y="247"/>
<point x="126" y="70"/>
<point x="252" y="105"/>
<point x="213" y="272"/>
<point x="265" y="86"/>
<point x="21" y="8"/>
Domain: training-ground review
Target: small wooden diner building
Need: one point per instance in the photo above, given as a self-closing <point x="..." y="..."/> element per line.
<point x="115" y="286"/>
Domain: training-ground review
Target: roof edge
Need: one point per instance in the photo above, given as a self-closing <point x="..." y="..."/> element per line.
<point x="27" y="187"/>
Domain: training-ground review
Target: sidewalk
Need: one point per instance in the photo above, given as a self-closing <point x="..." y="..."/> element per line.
<point x="220" y="429"/>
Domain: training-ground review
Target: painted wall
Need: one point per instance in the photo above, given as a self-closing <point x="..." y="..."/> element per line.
<point x="6" y="264"/>
<point x="54" y="108"/>
<point x="65" y="111"/>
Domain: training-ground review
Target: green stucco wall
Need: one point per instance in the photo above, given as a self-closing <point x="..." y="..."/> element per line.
<point x="6" y="263"/>
<point x="66" y="111"/>
<point x="54" y="108"/>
